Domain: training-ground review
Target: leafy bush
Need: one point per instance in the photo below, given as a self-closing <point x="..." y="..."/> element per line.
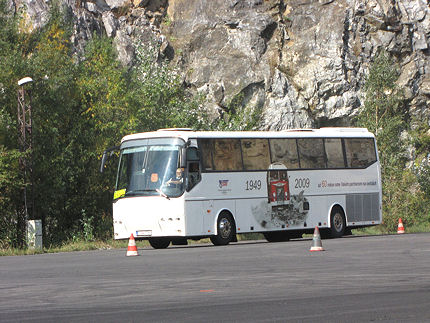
<point x="11" y="185"/>
<point x="239" y="116"/>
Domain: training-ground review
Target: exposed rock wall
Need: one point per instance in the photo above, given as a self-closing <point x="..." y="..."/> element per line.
<point x="303" y="61"/>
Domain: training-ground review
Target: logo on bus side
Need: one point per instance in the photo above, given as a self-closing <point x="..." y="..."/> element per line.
<point x="223" y="186"/>
<point x="223" y="183"/>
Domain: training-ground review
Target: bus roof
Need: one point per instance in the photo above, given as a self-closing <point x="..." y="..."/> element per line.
<point x="186" y="134"/>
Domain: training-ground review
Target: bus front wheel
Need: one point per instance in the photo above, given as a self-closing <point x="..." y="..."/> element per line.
<point x="225" y="230"/>
<point x="337" y="223"/>
<point x="159" y="243"/>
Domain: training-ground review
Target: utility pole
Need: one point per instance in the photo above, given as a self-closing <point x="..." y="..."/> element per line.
<point x="25" y="124"/>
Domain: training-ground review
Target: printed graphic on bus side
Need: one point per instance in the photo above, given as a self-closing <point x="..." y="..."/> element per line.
<point x="282" y="208"/>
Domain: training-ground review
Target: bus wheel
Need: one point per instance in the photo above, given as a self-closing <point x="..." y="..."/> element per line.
<point x="225" y="230"/>
<point x="276" y="236"/>
<point x="338" y="223"/>
<point x="159" y="243"/>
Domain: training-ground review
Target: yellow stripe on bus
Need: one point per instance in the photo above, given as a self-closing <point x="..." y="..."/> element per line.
<point x="118" y="194"/>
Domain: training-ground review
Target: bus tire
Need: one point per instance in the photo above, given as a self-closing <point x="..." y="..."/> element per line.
<point x="337" y="222"/>
<point x="226" y="230"/>
<point x="276" y="236"/>
<point x="159" y="243"/>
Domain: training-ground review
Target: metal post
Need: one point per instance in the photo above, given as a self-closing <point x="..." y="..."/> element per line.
<point x="25" y="141"/>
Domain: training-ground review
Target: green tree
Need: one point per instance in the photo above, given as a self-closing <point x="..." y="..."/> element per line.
<point x="162" y="101"/>
<point x="106" y="110"/>
<point x="384" y="113"/>
<point x="13" y="49"/>
<point x="421" y="141"/>
<point x="59" y="161"/>
<point x="104" y="89"/>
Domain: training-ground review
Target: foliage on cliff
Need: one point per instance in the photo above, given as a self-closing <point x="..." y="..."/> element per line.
<point x="405" y="189"/>
<point x="79" y="109"/>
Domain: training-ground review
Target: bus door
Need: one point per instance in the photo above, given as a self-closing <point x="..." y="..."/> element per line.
<point x="208" y="217"/>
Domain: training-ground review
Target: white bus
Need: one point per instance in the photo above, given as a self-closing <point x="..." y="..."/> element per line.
<point x="178" y="184"/>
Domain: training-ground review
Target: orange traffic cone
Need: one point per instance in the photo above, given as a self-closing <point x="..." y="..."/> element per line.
<point x="316" y="241"/>
<point x="132" y="249"/>
<point x="400" y="228"/>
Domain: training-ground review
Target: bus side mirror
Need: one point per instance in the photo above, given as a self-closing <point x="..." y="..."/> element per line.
<point x="105" y="156"/>
<point x="102" y="166"/>
<point x="183" y="157"/>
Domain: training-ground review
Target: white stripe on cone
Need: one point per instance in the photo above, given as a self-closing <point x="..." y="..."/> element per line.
<point x="316" y="241"/>
<point x="131" y="249"/>
<point x="400" y="227"/>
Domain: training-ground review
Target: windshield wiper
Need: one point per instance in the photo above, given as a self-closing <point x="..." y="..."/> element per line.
<point x="162" y="194"/>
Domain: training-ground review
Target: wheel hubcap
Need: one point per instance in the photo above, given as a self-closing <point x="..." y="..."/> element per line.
<point x="224" y="228"/>
<point x="338" y="222"/>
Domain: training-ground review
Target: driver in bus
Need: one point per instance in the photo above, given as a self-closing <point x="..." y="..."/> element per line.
<point x="179" y="178"/>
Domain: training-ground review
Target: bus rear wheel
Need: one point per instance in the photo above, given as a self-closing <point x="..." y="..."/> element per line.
<point x="225" y="230"/>
<point x="276" y="236"/>
<point x="337" y="223"/>
<point x="159" y="243"/>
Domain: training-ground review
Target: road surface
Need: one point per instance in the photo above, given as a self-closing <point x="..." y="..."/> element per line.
<point x="356" y="279"/>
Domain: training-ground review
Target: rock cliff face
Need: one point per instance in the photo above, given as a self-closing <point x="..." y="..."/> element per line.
<point x="303" y="62"/>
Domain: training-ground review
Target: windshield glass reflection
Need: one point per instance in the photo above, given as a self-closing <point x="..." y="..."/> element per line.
<point x="150" y="170"/>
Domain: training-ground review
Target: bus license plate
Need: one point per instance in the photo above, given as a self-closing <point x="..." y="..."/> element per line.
<point x="143" y="233"/>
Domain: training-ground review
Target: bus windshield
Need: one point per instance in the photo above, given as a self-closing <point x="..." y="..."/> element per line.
<point x="150" y="170"/>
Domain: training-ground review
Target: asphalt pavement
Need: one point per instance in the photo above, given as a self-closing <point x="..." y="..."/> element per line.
<point x="356" y="279"/>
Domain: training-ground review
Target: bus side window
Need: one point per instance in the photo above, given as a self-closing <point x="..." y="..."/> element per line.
<point x="227" y="155"/>
<point x="206" y="148"/>
<point x="193" y="160"/>
<point x="334" y="153"/>
<point x="193" y="175"/>
<point x="255" y="153"/>
<point x="360" y="152"/>
<point x="311" y="153"/>
<point x="284" y="151"/>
